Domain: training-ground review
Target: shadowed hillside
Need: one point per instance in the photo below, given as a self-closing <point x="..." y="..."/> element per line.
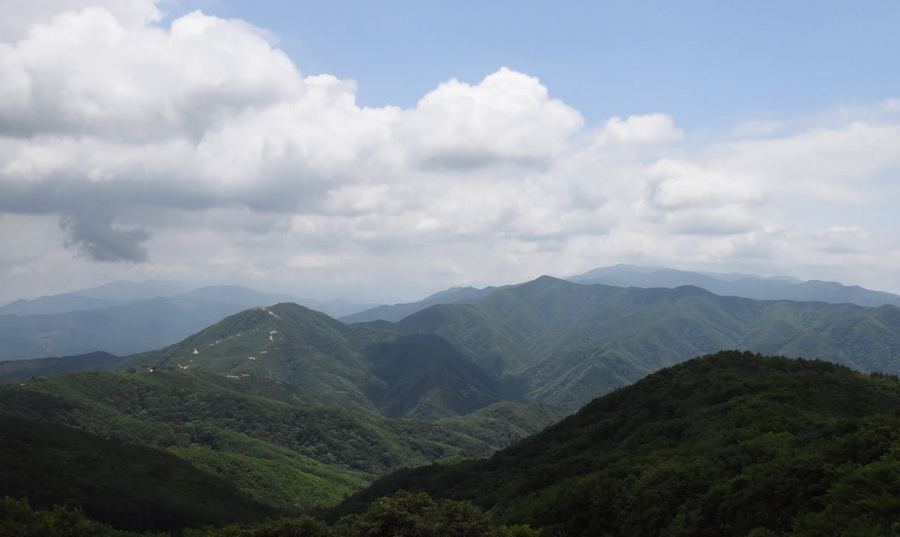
<point x="728" y="444"/>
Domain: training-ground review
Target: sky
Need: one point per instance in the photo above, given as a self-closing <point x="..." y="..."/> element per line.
<point x="382" y="151"/>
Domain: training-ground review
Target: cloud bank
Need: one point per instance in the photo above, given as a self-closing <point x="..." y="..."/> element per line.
<point x="199" y="150"/>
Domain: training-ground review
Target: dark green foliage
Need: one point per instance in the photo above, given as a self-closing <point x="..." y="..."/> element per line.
<point x="19" y="519"/>
<point x="260" y="435"/>
<point x="126" y="486"/>
<point x="417" y="515"/>
<point x="404" y="515"/>
<point x="19" y="370"/>
<point x="423" y="376"/>
<point x="568" y="343"/>
<point x="730" y="444"/>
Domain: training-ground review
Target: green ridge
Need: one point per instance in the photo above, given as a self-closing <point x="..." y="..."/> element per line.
<point x="127" y="486"/>
<point x="258" y="434"/>
<point x="729" y="444"/>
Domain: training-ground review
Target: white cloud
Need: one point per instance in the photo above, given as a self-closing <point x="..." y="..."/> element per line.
<point x="508" y="117"/>
<point x="676" y="185"/>
<point x="200" y="151"/>
<point x="643" y="130"/>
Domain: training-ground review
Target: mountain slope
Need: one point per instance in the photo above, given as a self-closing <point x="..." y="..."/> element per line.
<point x="729" y="444"/>
<point x="265" y="437"/>
<point x="423" y="376"/>
<point x="120" y="330"/>
<point x="336" y="364"/>
<point x="19" y="370"/>
<point x="73" y="323"/>
<point x="396" y="312"/>
<point x="129" y="487"/>
<point x="569" y="342"/>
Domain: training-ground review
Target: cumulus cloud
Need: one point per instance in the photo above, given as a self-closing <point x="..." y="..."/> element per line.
<point x="198" y="146"/>
<point x="508" y="116"/>
<point x="642" y="130"/>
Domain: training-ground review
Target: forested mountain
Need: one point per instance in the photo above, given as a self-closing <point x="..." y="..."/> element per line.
<point x="728" y="444"/>
<point x="296" y="410"/>
<point x="266" y="438"/>
<point x="121" y="319"/>
<point x="128" y="486"/>
<point x="454" y="295"/>
<point x="121" y="330"/>
<point x="744" y="285"/>
<point x="568" y="343"/>
<point x="333" y="363"/>
<point x="19" y="370"/>
<point x="548" y="340"/>
<point x="723" y="284"/>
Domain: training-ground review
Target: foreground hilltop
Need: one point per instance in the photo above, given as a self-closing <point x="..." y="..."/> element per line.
<point x="728" y="444"/>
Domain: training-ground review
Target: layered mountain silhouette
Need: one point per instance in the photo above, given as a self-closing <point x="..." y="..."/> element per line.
<point x="19" y="370"/>
<point x="724" y="284"/>
<point x="294" y="409"/>
<point x="396" y="312"/>
<point x="736" y="284"/>
<point x="126" y="317"/>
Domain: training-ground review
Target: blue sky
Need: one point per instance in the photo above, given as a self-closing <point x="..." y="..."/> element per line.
<point x="382" y="151"/>
<point x="706" y="63"/>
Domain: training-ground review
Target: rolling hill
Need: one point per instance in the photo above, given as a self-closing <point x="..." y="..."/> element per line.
<point x="127" y="486"/>
<point x="728" y="444"/>
<point x="267" y="438"/>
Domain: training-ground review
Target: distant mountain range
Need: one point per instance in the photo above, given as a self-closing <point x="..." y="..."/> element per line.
<point x="735" y="284"/>
<point x="124" y="318"/>
<point x="454" y="295"/>
<point x="295" y="409"/>
<point x="724" y="284"/>
<point x="111" y="294"/>
<point x="548" y="340"/>
<point x="566" y="343"/>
